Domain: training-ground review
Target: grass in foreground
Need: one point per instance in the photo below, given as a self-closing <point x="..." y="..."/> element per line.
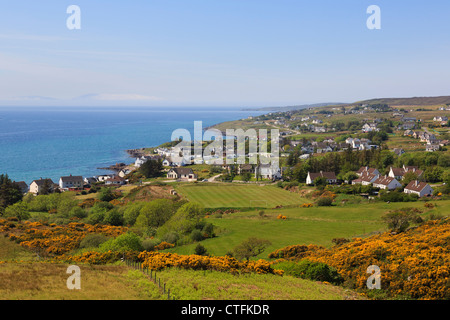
<point x="47" y="281"/>
<point x="214" y="285"/>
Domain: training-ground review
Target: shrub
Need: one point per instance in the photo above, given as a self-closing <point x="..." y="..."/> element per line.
<point x="316" y="271"/>
<point x="171" y="237"/>
<point x="126" y="242"/>
<point x="200" y="250"/>
<point x="196" y="235"/>
<point x="150" y="244"/>
<point x="324" y="201"/>
<point x="113" y="218"/>
<point x="93" y="240"/>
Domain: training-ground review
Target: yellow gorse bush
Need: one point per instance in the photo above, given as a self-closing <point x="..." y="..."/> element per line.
<point x="54" y="239"/>
<point x="414" y="263"/>
<point x="159" y="260"/>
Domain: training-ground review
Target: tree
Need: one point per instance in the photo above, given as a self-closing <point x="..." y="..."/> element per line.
<point x="251" y="247"/>
<point x="151" y="168"/>
<point x="18" y="210"/>
<point x="399" y="220"/>
<point x="408" y="177"/>
<point x="10" y="192"/>
<point x="114" y="218"/>
<point x="155" y="213"/>
<point x="246" y="176"/>
<point x="106" y="195"/>
<point x="200" y="250"/>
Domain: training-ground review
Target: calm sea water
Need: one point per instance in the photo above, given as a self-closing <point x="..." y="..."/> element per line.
<point x="53" y="142"/>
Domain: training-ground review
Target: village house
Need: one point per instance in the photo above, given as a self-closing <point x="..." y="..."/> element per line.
<point x="367" y="170"/>
<point x="143" y="159"/>
<point x="369" y="127"/>
<point x="71" y="182"/>
<point x="366" y="179"/>
<point x="245" y="168"/>
<point x="398" y="173"/>
<point x="267" y="171"/>
<point x="386" y="182"/>
<point x="90" y="180"/>
<point x="420" y="188"/>
<point x="104" y="177"/>
<point x="37" y="186"/>
<point x="440" y="119"/>
<point x="124" y="172"/>
<point x="398" y="151"/>
<point x="329" y="176"/>
<point x="185" y="174"/>
<point x="116" y="181"/>
<point x="432" y="147"/>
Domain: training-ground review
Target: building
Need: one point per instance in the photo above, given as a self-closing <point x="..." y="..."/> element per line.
<point x="366" y="179"/>
<point x="432" y="147"/>
<point x="398" y="173"/>
<point x="71" y="182"/>
<point x="182" y="174"/>
<point x="329" y="176"/>
<point x="104" y="177"/>
<point x="245" y="168"/>
<point x="268" y="171"/>
<point x="367" y="170"/>
<point x="386" y="182"/>
<point x="37" y="186"/>
<point x="124" y="172"/>
<point x="369" y="127"/>
<point x="420" y="188"/>
<point x="116" y="181"/>
<point x="398" y="151"/>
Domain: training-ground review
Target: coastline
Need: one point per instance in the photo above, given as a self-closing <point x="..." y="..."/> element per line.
<point x="55" y="142"/>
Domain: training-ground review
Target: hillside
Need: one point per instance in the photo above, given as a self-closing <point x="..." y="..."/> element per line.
<point x="413" y="101"/>
<point x="413" y="264"/>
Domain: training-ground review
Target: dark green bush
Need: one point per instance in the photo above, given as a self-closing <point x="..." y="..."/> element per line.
<point x="316" y="271"/>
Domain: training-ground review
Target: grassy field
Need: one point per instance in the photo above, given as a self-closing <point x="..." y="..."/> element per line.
<point x="215" y="195"/>
<point x="316" y="225"/>
<point x="22" y="277"/>
<point x="214" y="285"/>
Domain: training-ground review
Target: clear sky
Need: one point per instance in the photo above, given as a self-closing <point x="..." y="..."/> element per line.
<point x="221" y="52"/>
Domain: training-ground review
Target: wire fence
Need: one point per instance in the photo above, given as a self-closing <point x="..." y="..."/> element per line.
<point x="153" y="277"/>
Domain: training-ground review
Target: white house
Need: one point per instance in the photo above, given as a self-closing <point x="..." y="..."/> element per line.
<point x="367" y="170"/>
<point x="71" y="182"/>
<point x="268" y="171"/>
<point x="366" y="179"/>
<point x="36" y="186"/>
<point x="182" y="174"/>
<point x="329" y="176"/>
<point x="386" y="182"/>
<point x="369" y="127"/>
<point x="122" y="173"/>
<point x="420" y="188"/>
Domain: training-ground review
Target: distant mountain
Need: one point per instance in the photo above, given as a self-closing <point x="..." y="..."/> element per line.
<point x="414" y="101"/>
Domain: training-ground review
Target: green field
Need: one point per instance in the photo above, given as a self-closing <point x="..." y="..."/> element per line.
<point x="214" y="285"/>
<point x="316" y="225"/>
<point x="216" y="195"/>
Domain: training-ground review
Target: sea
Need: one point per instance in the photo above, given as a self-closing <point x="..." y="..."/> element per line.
<point x="50" y="142"/>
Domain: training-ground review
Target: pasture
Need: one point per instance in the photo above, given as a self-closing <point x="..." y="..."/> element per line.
<point x="217" y="195"/>
<point x="316" y="225"/>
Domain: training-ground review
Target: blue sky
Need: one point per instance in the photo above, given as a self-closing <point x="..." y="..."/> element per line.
<point x="221" y="52"/>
